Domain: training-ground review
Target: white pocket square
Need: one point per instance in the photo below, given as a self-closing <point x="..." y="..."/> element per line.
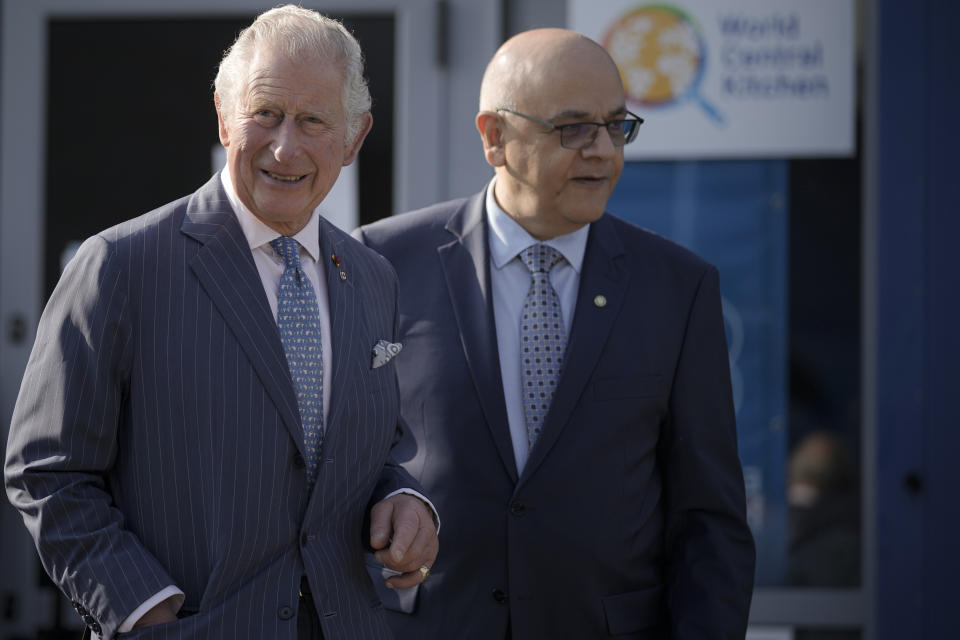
<point x="383" y="352"/>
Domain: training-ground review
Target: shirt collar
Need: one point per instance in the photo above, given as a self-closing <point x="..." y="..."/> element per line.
<point x="258" y="233"/>
<point x="508" y="238"/>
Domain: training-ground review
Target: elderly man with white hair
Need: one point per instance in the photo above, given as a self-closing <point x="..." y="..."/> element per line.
<point x="201" y="445"/>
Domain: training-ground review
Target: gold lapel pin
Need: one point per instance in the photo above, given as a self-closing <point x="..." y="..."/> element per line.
<point x="600" y="301"/>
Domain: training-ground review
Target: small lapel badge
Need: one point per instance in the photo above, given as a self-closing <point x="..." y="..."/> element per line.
<point x="335" y="259"/>
<point x="600" y="301"/>
<point x="383" y="352"/>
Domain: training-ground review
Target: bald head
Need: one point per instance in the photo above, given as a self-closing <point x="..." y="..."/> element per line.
<point x="526" y="65"/>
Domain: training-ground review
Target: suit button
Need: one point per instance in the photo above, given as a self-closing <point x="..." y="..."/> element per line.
<point x="517" y="508"/>
<point x="304" y="538"/>
<point x="298" y="461"/>
<point x="95" y="627"/>
<point x="499" y="595"/>
<point x="285" y="613"/>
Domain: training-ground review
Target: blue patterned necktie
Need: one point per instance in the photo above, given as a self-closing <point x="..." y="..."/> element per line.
<point x="543" y="340"/>
<point x="298" y="319"/>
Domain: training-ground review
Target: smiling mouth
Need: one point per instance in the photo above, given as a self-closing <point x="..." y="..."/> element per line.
<point x="281" y="178"/>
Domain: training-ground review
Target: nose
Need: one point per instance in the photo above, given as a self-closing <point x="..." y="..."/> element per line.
<point x="286" y="140"/>
<point x="601" y="147"/>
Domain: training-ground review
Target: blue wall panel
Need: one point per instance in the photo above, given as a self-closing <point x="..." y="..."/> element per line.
<point x="942" y="557"/>
<point x="918" y="321"/>
<point x="902" y="165"/>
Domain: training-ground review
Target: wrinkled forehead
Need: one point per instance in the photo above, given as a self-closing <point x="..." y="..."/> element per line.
<point x="311" y="77"/>
<point x="269" y="62"/>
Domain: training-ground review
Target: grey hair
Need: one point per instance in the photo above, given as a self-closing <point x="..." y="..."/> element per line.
<point x="297" y="33"/>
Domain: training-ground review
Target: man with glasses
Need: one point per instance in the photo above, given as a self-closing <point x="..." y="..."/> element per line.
<point x="565" y="381"/>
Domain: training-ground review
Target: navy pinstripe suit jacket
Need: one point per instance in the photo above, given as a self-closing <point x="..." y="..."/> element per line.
<point x="156" y="439"/>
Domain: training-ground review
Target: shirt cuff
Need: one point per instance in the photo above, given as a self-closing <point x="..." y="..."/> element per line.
<point x="176" y="599"/>
<point x="417" y="494"/>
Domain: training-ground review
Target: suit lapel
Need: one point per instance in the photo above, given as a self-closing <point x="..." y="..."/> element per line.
<point x="466" y="268"/>
<point x="601" y="275"/>
<point x="226" y="271"/>
<point x="346" y="321"/>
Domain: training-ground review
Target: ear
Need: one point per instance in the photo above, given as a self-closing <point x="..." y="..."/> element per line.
<point x="353" y="148"/>
<point x="490" y="127"/>
<point x="222" y="121"/>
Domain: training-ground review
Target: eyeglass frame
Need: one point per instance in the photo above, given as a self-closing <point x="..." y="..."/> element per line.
<point x="606" y="125"/>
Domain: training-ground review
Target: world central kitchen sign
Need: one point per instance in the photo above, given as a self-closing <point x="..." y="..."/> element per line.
<point x="731" y="78"/>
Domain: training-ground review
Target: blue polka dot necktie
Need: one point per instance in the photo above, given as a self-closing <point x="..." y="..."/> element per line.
<point x="298" y="319"/>
<point x="543" y="340"/>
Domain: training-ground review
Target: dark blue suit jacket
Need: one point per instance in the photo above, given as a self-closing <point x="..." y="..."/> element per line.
<point x="157" y="440"/>
<point x="628" y="520"/>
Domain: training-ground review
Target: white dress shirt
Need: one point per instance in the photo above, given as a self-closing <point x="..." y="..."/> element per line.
<point x="510" y="281"/>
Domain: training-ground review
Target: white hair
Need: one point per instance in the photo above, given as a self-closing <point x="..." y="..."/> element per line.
<point x="297" y="33"/>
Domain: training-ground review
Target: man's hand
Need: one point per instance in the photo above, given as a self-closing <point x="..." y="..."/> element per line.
<point x="404" y="523"/>
<point x="161" y="613"/>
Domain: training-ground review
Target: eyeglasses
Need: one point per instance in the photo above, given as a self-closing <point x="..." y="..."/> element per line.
<point x="578" y="135"/>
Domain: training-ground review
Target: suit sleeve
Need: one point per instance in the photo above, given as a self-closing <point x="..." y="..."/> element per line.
<point x="710" y="553"/>
<point x="395" y="478"/>
<point x="63" y="443"/>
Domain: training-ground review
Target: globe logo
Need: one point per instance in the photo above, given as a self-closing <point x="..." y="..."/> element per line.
<point x="661" y="57"/>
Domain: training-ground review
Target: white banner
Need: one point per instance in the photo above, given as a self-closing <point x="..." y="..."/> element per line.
<point x="731" y="78"/>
